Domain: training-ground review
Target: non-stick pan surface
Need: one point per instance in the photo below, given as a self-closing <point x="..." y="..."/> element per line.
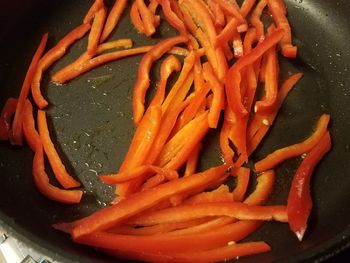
<point x="90" y="119"/>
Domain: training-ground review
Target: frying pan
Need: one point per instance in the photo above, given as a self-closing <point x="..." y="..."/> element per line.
<point x="90" y="119"/>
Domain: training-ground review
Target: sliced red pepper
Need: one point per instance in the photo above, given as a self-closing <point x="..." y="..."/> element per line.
<point x="136" y="18"/>
<point x="18" y="118"/>
<point x="86" y="63"/>
<point x="294" y="150"/>
<point x="192" y="162"/>
<point x="232" y="8"/>
<point x="263" y="189"/>
<point x="139" y="148"/>
<point x="277" y="10"/>
<point x="243" y="175"/>
<point x="255" y="20"/>
<point x="96" y="30"/>
<point x="230" y="251"/>
<point x="58" y="167"/>
<point x="225" y="131"/>
<point x="233" y="78"/>
<point x="113" y="18"/>
<point x="143" y="81"/>
<point x="172" y="17"/>
<point x="154" y="181"/>
<point x="42" y="182"/>
<point x="119" y="43"/>
<point x="227" y="32"/>
<point x="92" y="11"/>
<point x="51" y="57"/>
<point x="227" y="51"/>
<point x="299" y="202"/>
<point x="128" y="207"/>
<point x="209" y="197"/>
<point x="147" y="18"/>
<point x="219" y="16"/>
<point x="247" y="6"/>
<point x="5" y="119"/>
<point x="30" y="133"/>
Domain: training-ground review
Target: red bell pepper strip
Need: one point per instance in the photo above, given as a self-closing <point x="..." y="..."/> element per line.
<point x="51" y="57"/>
<point x="141" y="171"/>
<point x="136" y="18"/>
<point x="96" y="30"/>
<point x="263" y="189"/>
<point x="209" y="197"/>
<point x="131" y="206"/>
<point x="242" y="182"/>
<point x="147" y="18"/>
<point x="139" y="148"/>
<point x="97" y="5"/>
<point x="219" y="16"/>
<point x="227" y="32"/>
<point x="226" y="150"/>
<point x="232" y="8"/>
<point x="192" y="162"/>
<point x="43" y="185"/>
<point x="277" y="10"/>
<point x="113" y="18"/>
<point x="299" y="202"/>
<point x="57" y="166"/>
<point x="247" y="6"/>
<point x="154" y="181"/>
<point x="271" y="83"/>
<point x="294" y="150"/>
<point x="143" y="81"/>
<point x="172" y="17"/>
<point x="18" y="118"/>
<point x="87" y="64"/>
<point x="233" y="78"/>
<point x="255" y="20"/>
<point x="30" y="133"/>
<point x="218" y="95"/>
<point x="5" y="119"/>
<point x="236" y="210"/>
<point x="119" y="43"/>
<point x="169" y="65"/>
<point x="224" y="253"/>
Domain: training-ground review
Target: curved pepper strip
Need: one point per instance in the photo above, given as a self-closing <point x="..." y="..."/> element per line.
<point x="232" y="8"/>
<point x="51" y="57"/>
<point x="255" y="20"/>
<point x="294" y="150"/>
<point x="277" y="10"/>
<point x="87" y="63"/>
<point x="96" y="30"/>
<point x="263" y="189"/>
<point x="215" y="255"/>
<point x="172" y="17"/>
<point x="131" y="206"/>
<point x="18" y="117"/>
<point x="299" y="202"/>
<point x="97" y="5"/>
<point x="247" y="6"/>
<point x="233" y="78"/>
<point x="136" y="18"/>
<point x="5" y="118"/>
<point x="147" y="18"/>
<point x="139" y="148"/>
<point x="143" y="80"/>
<point x="242" y="182"/>
<point x="30" y="133"/>
<point x="113" y="18"/>
<point x="43" y="185"/>
<point x="57" y="166"/>
<point x="219" y="16"/>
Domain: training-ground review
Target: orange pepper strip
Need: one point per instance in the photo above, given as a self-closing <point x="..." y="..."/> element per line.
<point x="246" y="7"/>
<point x="141" y="171"/>
<point x="243" y="175"/>
<point x="57" y="166"/>
<point x="218" y="95"/>
<point x="119" y="43"/>
<point x="136" y="17"/>
<point x="43" y="185"/>
<point x="97" y="5"/>
<point x="227" y="32"/>
<point x="30" y="133"/>
<point x="299" y="202"/>
<point x="263" y="189"/>
<point x="171" y="243"/>
<point x="143" y="81"/>
<point x="277" y="9"/>
<point x="233" y="77"/>
<point x="218" y="13"/>
<point x="178" y="149"/>
<point x="209" y="197"/>
<point x="213" y="255"/>
<point x="255" y="20"/>
<point x="139" y="148"/>
<point x="271" y="83"/>
<point x="169" y="65"/>
<point x="131" y="206"/>
<point x="52" y="56"/>
<point x="154" y="181"/>
<point x="96" y="30"/>
<point x="226" y="150"/>
<point x="172" y="17"/>
<point x="147" y="18"/>
<point x="18" y="118"/>
<point x="5" y="119"/>
<point x="86" y="64"/>
<point x="236" y="210"/>
<point x="191" y="164"/>
<point x="260" y="123"/>
<point x="232" y="8"/>
<point x="294" y="150"/>
<point x="179" y="51"/>
<point x="113" y="18"/>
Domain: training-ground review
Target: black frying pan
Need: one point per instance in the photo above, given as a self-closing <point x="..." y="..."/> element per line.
<point x="91" y="120"/>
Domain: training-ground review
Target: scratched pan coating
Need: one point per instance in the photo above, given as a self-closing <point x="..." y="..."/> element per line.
<point x="90" y="119"/>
